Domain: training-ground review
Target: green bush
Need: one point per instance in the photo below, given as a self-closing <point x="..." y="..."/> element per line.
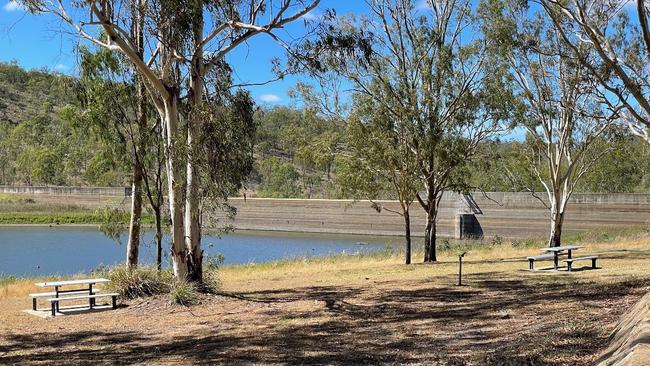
<point x="138" y="282"/>
<point x="183" y="292"/>
<point x="211" y="267"/>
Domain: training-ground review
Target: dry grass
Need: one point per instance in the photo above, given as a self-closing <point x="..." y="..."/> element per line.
<point x="355" y="310"/>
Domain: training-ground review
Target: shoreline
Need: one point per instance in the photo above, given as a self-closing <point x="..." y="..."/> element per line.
<point x="278" y="232"/>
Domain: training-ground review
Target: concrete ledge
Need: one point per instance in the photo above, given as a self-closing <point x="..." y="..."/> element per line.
<point x="630" y="341"/>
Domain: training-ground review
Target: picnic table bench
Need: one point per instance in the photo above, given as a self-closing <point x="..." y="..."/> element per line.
<point x="569" y="261"/>
<point x="556" y="252"/>
<point x="532" y="259"/>
<point x="58" y="295"/>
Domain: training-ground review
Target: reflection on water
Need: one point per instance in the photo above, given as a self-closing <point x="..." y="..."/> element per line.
<point x="36" y="251"/>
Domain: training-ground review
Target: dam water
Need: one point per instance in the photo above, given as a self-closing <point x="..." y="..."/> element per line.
<point x="62" y="250"/>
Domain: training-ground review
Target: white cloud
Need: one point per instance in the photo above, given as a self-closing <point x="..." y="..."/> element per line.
<point x="12" y="5"/>
<point x="60" y="67"/>
<point x="270" y="98"/>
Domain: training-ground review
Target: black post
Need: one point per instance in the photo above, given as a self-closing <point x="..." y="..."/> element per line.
<point x="56" y="294"/>
<point x="90" y="292"/>
<point x="460" y="269"/>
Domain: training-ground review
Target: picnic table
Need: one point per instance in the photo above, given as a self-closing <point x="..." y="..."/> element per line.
<point x="558" y="250"/>
<point x="83" y="290"/>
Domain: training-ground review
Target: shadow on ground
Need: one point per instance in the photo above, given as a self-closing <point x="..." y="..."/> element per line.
<point x="526" y="320"/>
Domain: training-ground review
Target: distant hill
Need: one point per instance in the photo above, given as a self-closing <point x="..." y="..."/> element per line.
<point x="294" y="154"/>
<point x="26" y="94"/>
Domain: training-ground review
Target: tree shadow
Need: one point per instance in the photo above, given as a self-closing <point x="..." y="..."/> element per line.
<point x="486" y="322"/>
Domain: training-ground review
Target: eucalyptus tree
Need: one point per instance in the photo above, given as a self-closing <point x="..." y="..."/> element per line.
<point x="378" y="161"/>
<point x="186" y="41"/>
<point x="114" y="107"/>
<point x="432" y="70"/>
<point x="617" y="33"/>
<point x="564" y="108"/>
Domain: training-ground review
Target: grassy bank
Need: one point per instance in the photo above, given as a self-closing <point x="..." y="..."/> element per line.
<point x="47" y="210"/>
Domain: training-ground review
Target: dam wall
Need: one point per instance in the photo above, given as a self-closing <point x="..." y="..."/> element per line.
<point x="506" y="214"/>
<point x="516" y="215"/>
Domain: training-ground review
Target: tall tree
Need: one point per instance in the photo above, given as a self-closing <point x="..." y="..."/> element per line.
<point x="618" y="34"/>
<point x="189" y="39"/>
<point x="434" y="72"/>
<point x="565" y="112"/>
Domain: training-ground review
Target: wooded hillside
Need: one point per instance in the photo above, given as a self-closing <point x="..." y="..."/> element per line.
<point x="298" y="152"/>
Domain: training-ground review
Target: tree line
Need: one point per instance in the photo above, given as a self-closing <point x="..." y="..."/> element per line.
<point x="432" y="89"/>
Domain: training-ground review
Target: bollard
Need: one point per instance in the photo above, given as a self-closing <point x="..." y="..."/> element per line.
<point x="460" y="268"/>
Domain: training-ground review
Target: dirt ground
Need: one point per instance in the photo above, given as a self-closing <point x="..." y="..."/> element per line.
<point x="352" y="311"/>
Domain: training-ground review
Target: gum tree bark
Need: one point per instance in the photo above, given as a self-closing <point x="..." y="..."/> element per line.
<point x="407" y="235"/>
<point x="133" y="245"/>
<point x="192" y="209"/>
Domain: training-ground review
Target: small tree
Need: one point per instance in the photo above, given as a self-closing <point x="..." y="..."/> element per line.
<point x="433" y="72"/>
<point x="378" y="162"/>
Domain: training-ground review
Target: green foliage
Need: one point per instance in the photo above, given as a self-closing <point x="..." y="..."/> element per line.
<point x="211" y="267"/>
<point x="44" y="140"/>
<point x="304" y="145"/>
<point x="183" y="292"/>
<point x="138" y="282"/>
<point x="41" y="139"/>
<point x="623" y="168"/>
<point x="113" y="222"/>
<point x="280" y="179"/>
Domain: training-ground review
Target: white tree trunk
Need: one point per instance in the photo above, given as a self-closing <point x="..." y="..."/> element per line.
<point x="133" y="245"/>
<point x="192" y="200"/>
<point x="558" y="199"/>
<point x="175" y="187"/>
<point x="192" y="220"/>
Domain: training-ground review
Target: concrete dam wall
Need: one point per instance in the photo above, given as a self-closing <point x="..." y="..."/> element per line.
<point x="509" y="215"/>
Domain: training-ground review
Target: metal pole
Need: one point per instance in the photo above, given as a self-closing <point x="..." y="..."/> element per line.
<point x="460" y="268"/>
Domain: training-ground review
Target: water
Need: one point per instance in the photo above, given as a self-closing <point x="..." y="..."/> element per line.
<point x="40" y="251"/>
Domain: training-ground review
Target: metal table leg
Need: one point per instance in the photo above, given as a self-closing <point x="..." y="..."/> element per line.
<point x="91" y="301"/>
<point x="56" y="294"/>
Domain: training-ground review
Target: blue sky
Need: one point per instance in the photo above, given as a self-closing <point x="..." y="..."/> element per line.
<point x="41" y="41"/>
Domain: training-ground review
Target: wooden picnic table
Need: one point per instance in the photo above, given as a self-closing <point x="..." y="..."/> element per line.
<point x="58" y="284"/>
<point x="558" y="250"/>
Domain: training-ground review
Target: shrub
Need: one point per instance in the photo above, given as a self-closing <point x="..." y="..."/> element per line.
<point x="183" y="292"/>
<point x="138" y="282"/>
<point x="211" y="267"/>
<point x="496" y="241"/>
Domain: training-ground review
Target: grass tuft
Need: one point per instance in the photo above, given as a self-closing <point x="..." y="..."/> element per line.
<point x="137" y="282"/>
<point x="183" y="292"/>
